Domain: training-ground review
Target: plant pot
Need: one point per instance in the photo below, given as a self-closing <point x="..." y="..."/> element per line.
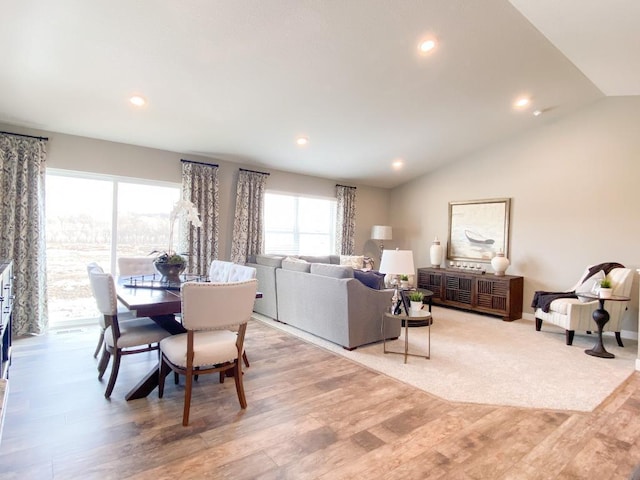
<point x="170" y="272"/>
<point x="404" y="284"/>
<point x="605" y="292"/>
<point x="415" y="307"/>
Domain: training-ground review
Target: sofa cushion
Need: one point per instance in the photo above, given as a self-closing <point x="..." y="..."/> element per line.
<point x="354" y="261"/>
<point x="371" y="279"/>
<point x="269" y="260"/>
<point x="368" y="263"/>
<point x="316" y="258"/>
<point x="291" y="263"/>
<point x="335" y="271"/>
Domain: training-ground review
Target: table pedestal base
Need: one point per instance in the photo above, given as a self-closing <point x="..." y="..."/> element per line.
<point x="601" y="317"/>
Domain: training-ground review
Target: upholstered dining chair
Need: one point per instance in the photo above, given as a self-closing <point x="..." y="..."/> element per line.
<point x="128" y="266"/>
<point x="98" y="269"/>
<point x="126" y="338"/>
<point x="575" y="314"/>
<point x="209" y="311"/>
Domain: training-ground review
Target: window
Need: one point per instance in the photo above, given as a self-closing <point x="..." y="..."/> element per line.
<point x="91" y="218"/>
<point x="297" y="225"/>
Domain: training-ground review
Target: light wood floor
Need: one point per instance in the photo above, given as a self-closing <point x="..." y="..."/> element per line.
<point x="311" y="415"/>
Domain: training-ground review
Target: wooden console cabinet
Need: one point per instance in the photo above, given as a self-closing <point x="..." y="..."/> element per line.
<point x="483" y="293"/>
<point x="6" y="309"/>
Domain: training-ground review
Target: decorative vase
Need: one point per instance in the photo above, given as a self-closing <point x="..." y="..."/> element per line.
<point x="500" y="263"/>
<point x="435" y="253"/>
<point x="404" y="284"/>
<point x="170" y="272"/>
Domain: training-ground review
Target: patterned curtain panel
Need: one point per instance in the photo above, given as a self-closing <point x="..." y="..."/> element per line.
<point x="346" y="220"/>
<point x="200" y="186"/>
<point x="22" y="237"/>
<point x="249" y="218"/>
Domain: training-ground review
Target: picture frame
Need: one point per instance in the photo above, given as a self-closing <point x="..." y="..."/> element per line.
<point x="478" y="229"/>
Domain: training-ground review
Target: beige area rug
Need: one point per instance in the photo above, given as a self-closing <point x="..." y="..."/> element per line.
<point x="481" y="359"/>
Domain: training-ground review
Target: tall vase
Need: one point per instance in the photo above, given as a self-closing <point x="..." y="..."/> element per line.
<point x="500" y="263"/>
<point x="435" y="253"/>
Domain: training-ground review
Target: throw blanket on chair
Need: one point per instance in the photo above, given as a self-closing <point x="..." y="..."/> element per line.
<point x="542" y="299"/>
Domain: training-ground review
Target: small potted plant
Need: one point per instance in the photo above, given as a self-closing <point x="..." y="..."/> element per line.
<point x="415" y="298"/>
<point x="605" y="289"/>
<point x="404" y="281"/>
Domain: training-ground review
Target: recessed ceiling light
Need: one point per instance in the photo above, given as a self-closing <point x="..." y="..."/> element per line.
<point x="137" y="100"/>
<point x="522" y="102"/>
<point x="397" y="164"/>
<point x="427" y="45"/>
<point x="302" y="141"/>
<point x="537" y="113"/>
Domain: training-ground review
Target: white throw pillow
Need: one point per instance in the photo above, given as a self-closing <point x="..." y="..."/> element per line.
<point x="590" y="285"/>
<point x="353" y="261"/>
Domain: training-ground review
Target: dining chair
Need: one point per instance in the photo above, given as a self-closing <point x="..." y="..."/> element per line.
<point x="126" y="338"/>
<point x="94" y="266"/>
<point x="240" y="273"/>
<point x="209" y="311"/>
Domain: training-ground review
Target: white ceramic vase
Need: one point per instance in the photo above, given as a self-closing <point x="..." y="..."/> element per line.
<point x="500" y="263"/>
<point x="436" y="253"/>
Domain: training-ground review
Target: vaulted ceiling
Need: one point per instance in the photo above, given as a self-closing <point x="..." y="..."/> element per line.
<point x="242" y="80"/>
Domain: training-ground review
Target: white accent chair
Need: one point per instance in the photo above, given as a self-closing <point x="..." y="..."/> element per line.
<point x="126" y="338"/>
<point x="130" y="266"/>
<point x="573" y="314"/>
<point x="209" y="311"/>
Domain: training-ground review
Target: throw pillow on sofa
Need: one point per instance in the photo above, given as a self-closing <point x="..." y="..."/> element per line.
<point x="373" y="280"/>
<point x="292" y="263"/>
<point x="353" y="261"/>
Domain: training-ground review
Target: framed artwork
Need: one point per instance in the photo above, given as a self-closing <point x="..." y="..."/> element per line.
<point x="478" y="229"/>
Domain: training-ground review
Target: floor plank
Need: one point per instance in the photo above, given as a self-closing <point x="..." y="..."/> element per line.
<point x="311" y="415"/>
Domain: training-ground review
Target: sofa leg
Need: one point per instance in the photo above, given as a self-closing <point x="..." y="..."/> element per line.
<point x="538" y="324"/>
<point x="569" y="336"/>
<point x="619" y="339"/>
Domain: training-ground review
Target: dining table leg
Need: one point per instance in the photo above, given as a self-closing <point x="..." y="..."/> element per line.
<point x="151" y="380"/>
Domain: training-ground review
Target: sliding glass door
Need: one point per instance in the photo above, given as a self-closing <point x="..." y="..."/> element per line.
<point x="93" y="218"/>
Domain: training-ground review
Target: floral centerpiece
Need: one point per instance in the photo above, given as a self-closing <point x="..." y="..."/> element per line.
<point x="169" y="263"/>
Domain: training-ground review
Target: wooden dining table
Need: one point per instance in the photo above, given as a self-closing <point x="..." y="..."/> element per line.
<point x="161" y="303"/>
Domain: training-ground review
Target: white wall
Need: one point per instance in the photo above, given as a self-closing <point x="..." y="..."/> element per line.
<point x="575" y="197"/>
<point x="69" y="152"/>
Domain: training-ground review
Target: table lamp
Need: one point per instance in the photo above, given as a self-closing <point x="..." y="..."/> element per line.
<point x="397" y="262"/>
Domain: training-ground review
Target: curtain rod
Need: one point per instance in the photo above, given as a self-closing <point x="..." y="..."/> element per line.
<point x="345" y="186"/>
<point x="200" y="163"/>
<point x="46" y="139"/>
<point x="254" y="171"/>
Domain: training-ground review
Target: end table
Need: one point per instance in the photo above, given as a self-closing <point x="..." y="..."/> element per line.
<point x="405" y="319"/>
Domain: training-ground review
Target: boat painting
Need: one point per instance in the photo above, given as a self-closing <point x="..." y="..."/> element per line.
<point x="475" y="237"/>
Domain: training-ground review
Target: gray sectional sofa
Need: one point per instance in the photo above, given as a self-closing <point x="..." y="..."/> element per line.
<point x="317" y="295"/>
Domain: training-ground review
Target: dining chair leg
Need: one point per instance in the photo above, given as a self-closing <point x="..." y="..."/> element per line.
<point x="245" y="359"/>
<point x="187" y="398"/>
<point x="99" y="346"/>
<point x="176" y="378"/>
<point x="103" y="363"/>
<point x="163" y="372"/>
<point x="114" y="374"/>
<point x="237" y="376"/>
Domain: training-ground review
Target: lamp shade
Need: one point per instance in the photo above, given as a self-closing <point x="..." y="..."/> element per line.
<point x="381" y="232"/>
<point x="397" y="262"/>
